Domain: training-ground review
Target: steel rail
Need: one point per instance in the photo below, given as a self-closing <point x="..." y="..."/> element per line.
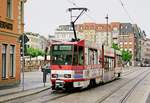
<point x="118" y="88"/>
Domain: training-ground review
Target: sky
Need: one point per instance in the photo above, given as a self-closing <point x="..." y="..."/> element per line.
<point x="43" y="16"/>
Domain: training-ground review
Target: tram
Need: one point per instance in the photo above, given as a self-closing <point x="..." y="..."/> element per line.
<point x="80" y="64"/>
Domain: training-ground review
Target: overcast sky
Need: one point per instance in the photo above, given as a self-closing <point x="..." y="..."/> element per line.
<point x="43" y="16"/>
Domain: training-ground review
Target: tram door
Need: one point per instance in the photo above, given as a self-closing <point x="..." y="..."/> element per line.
<point x="118" y="67"/>
<point x="108" y="73"/>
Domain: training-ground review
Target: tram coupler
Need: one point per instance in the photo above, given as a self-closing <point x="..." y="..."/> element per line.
<point x="59" y="84"/>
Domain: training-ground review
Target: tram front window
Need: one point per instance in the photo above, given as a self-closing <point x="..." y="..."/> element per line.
<point x="62" y="55"/>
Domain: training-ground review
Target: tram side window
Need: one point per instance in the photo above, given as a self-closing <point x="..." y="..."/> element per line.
<point x="111" y="63"/>
<point x="119" y="61"/>
<point x="93" y="56"/>
<point x="106" y="63"/>
<point x="81" y="57"/>
<point x="75" y="59"/>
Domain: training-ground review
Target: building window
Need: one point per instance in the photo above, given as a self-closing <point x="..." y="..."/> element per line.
<point x="130" y="49"/>
<point x="4" y="52"/>
<point x="9" y="9"/>
<point x="130" y="42"/>
<point x="125" y="43"/>
<point x="12" y="59"/>
<point x="115" y="29"/>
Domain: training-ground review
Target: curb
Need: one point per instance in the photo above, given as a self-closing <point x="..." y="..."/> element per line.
<point x="22" y="94"/>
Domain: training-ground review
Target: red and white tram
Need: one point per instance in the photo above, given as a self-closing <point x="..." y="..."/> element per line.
<point x="82" y="63"/>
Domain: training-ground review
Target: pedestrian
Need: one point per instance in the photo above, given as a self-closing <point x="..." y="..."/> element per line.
<point x="47" y="67"/>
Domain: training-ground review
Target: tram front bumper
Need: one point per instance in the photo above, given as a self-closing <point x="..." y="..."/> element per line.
<point x="59" y="84"/>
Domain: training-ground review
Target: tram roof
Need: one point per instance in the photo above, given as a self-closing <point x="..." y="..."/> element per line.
<point x="80" y="43"/>
<point x="65" y="42"/>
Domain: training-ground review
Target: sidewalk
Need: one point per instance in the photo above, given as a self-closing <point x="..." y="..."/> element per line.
<point x="33" y="83"/>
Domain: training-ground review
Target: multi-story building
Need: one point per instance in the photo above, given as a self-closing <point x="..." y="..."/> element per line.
<point x="88" y="31"/>
<point x="115" y="27"/>
<point x="129" y="39"/>
<point x="64" y="33"/>
<point x="104" y="35"/>
<point x="145" y="53"/>
<point x="138" y="37"/>
<point x="147" y="50"/>
<point x="36" y="41"/>
<point x="11" y="27"/>
<point x="127" y="35"/>
<point x="143" y="46"/>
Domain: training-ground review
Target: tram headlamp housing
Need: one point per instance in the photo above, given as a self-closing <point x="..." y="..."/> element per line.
<point x="54" y="75"/>
<point x="67" y="75"/>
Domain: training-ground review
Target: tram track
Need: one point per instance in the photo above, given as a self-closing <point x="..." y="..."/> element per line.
<point x="44" y="96"/>
<point x="61" y="96"/>
<point x="123" y="100"/>
<point x="129" y="72"/>
<point x="54" y="95"/>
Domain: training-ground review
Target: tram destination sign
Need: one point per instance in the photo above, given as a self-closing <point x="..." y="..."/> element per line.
<point x="62" y="47"/>
<point x="65" y="47"/>
<point x="5" y="25"/>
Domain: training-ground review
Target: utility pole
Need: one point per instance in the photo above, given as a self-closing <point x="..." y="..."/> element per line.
<point x="23" y="40"/>
<point x="77" y="17"/>
<point x="107" y="27"/>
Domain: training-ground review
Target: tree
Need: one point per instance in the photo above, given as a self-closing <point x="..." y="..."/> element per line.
<point x="32" y="52"/>
<point x="115" y="46"/>
<point x="41" y="53"/>
<point x="126" y="56"/>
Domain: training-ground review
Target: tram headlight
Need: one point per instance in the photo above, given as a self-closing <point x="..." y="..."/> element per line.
<point x="67" y="75"/>
<point x="54" y="75"/>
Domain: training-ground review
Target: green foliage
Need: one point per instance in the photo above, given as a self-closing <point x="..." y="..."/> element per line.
<point x="126" y="56"/>
<point x="34" y="52"/>
<point x="115" y="46"/>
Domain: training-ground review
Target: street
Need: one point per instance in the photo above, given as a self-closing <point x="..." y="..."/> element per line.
<point x="133" y="87"/>
<point x="74" y="51"/>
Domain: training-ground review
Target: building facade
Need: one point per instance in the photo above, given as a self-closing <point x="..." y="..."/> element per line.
<point x="127" y="35"/>
<point x="145" y="54"/>
<point x="115" y="30"/>
<point x="138" y="37"/>
<point x="64" y="33"/>
<point x="104" y="34"/>
<point x="130" y="39"/>
<point x="88" y="31"/>
<point x="11" y="27"/>
<point x="36" y="41"/>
